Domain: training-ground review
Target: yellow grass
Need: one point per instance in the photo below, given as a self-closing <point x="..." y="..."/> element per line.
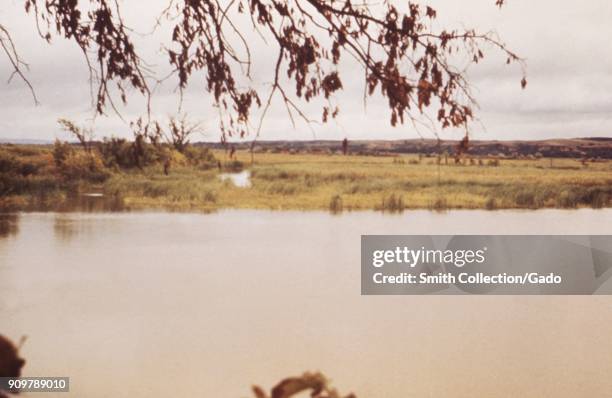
<point x="337" y="182"/>
<point x="308" y="181"/>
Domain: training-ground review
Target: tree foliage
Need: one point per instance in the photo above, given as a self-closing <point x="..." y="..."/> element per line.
<point x="315" y="383"/>
<point x="404" y="58"/>
<point x="10" y="361"/>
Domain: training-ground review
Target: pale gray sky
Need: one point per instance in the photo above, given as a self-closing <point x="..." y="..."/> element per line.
<point x="566" y="44"/>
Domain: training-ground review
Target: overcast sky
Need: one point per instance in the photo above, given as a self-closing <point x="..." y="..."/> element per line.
<point x="566" y="44"/>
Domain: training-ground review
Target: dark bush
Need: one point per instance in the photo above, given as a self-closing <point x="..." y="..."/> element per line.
<point x="491" y="204"/>
<point x="9" y="163"/>
<point x="61" y="150"/>
<point x="200" y="156"/>
<point x="596" y="197"/>
<point x="335" y="204"/>
<point x="117" y="152"/>
<point x="525" y="199"/>
<point x="120" y="153"/>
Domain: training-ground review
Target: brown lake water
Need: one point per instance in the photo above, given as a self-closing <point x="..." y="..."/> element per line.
<point x="205" y="305"/>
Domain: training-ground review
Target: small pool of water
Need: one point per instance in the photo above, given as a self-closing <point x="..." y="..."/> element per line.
<point x="241" y="179"/>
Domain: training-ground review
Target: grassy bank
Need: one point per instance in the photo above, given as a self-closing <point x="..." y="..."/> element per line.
<point x="324" y="182"/>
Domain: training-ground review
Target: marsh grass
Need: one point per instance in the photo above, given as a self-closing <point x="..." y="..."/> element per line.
<point x="393" y="203"/>
<point x="491" y="204"/>
<point x="335" y="204"/>
<point x="325" y="182"/>
<point x="392" y="184"/>
<point x="439" y="204"/>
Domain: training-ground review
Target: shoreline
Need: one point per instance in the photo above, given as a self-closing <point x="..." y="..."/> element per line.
<point x="313" y="211"/>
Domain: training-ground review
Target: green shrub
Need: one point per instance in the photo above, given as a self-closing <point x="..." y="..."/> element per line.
<point x="118" y="152"/>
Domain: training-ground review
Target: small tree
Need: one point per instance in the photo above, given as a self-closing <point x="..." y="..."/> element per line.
<point x="180" y="129"/>
<point x="82" y="134"/>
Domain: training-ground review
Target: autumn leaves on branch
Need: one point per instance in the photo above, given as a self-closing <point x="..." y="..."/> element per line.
<point x="413" y="66"/>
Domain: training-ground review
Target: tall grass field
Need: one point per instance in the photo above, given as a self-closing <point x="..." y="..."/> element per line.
<point x="31" y="178"/>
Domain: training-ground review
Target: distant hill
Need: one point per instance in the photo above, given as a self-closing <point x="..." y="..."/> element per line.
<point x="592" y="147"/>
<point x="588" y="147"/>
<point x="18" y="141"/>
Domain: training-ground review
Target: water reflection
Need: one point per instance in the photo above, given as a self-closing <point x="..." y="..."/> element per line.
<point x="66" y="227"/>
<point x="93" y="203"/>
<point x="78" y="202"/>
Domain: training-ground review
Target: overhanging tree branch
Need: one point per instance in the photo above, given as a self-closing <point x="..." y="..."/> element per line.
<point x="417" y="70"/>
<point x="8" y="46"/>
